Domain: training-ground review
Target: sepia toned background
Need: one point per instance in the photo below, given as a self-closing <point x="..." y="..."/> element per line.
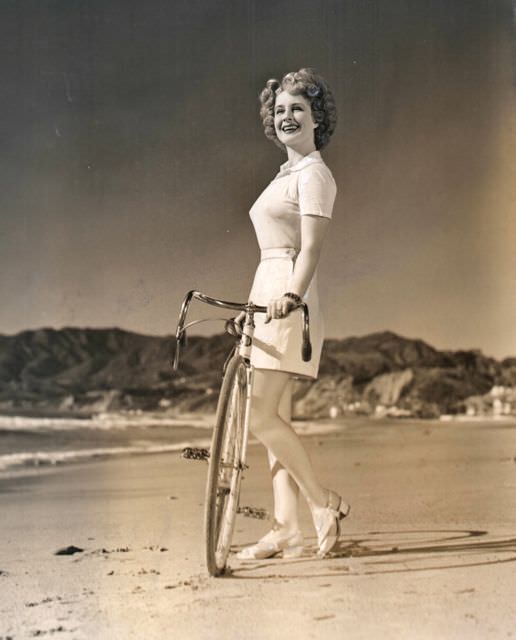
<point x="132" y="152"/>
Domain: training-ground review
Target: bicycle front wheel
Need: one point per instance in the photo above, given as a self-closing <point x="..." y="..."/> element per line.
<point x="225" y="468"/>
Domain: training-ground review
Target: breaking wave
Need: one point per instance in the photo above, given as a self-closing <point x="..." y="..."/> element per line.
<point x="31" y="459"/>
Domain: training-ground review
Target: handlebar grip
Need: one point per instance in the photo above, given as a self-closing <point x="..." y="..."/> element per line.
<point x="306" y="347"/>
<point x="306" y="351"/>
<point x="181" y="341"/>
<point x="180" y="331"/>
<point x="175" y="361"/>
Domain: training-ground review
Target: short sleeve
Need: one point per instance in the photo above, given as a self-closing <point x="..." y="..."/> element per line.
<point x="316" y="190"/>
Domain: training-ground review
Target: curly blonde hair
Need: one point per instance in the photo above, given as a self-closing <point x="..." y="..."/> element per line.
<point x="308" y="83"/>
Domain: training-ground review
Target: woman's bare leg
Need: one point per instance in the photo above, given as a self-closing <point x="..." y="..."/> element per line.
<point x="279" y="437"/>
<point x="285" y="489"/>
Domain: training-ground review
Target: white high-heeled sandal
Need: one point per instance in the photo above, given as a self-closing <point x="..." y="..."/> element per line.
<point x="327" y="522"/>
<point x="267" y="547"/>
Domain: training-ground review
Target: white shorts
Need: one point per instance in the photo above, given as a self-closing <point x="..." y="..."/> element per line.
<point x="277" y="345"/>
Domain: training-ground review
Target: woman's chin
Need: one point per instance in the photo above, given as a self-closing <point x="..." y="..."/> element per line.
<point x="291" y="142"/>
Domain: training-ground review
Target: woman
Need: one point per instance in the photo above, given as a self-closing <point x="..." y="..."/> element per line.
<point x="290" y="218"/>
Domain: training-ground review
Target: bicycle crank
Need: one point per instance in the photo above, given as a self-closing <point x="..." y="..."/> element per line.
<point x="254" y="512"/>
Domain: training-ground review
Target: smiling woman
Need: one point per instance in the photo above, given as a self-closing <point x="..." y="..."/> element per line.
<point x="293" y="120"/>
<point x="291" y="218"/>
<point x="306" y="89"/>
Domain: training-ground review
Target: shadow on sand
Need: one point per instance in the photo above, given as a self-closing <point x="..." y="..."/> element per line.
<point x="383" y="552"/>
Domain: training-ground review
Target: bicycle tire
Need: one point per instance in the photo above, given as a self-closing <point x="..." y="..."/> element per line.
<point x="225" y="468"/>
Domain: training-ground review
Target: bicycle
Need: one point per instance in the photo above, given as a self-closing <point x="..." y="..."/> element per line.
<point x="227" y="456"/>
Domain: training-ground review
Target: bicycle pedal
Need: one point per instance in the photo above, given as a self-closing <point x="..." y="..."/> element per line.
<point x="194" y="453"/>
<point x="254" y="512"/>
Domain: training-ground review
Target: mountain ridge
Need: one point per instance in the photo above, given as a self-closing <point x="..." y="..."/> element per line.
<point x="90" y="369"/>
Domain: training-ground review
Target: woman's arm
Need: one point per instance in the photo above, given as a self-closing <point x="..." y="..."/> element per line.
<point x="313" y="230"/>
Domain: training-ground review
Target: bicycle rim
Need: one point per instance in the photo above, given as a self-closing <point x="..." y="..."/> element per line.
<point x="225" y="468"/>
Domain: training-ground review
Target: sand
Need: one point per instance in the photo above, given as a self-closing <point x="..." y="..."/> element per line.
<point x="427" y="553"/>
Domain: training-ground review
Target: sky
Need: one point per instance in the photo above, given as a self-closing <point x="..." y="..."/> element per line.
<point x="132" y="152"/>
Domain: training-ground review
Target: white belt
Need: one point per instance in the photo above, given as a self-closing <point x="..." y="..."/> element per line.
<point x="278" y="252"/>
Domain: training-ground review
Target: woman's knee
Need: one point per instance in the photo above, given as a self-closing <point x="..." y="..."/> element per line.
<point x="262" y="419"/>
<point x="268" y="390"/>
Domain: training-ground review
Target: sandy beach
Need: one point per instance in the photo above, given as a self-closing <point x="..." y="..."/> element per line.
<point x="427" y="553"/>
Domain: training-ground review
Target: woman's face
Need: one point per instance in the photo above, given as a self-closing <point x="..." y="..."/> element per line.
<point x="293" y="121"/>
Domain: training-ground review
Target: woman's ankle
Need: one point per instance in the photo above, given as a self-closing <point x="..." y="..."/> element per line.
<point x="322" y="503"/>
<point x="285" y="527"/>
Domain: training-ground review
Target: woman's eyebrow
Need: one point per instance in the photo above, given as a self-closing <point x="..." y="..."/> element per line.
<point x="294" y="104"/>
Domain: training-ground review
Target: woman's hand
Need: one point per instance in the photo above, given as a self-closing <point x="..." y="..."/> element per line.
<point x="280" y="308"/>
<point x="235" y="326"/>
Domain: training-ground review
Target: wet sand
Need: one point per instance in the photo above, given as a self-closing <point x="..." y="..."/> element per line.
<point x="428" y="552"/>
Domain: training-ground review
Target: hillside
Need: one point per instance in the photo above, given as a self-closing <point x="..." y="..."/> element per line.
<point x="90" y="370"/>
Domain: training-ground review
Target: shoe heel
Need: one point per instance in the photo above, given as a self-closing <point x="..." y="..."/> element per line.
<point x="293" y="552"/>
<point x="344" y="512"/>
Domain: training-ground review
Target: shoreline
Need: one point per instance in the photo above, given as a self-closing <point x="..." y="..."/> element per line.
<point x="37" y="442"/>
<point x="110" y="436"/>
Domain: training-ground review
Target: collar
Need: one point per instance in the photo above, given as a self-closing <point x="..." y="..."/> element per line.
<point x="314" y="156"/>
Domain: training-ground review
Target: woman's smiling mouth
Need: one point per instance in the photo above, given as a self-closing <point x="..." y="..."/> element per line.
<point x="290" y="128"/>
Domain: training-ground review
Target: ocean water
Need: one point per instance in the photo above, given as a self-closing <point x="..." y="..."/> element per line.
<point x="37" y="443"/>
<point x="32" y="442"/>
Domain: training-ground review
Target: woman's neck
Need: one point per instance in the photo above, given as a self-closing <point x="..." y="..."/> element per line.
<point x="295" y="155"/>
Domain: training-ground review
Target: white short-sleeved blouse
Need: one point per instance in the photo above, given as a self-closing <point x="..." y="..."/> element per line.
<point x="306" y="188"/>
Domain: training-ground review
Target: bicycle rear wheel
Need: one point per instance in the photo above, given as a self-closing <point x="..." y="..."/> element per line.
<point x="225" y="467"/>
